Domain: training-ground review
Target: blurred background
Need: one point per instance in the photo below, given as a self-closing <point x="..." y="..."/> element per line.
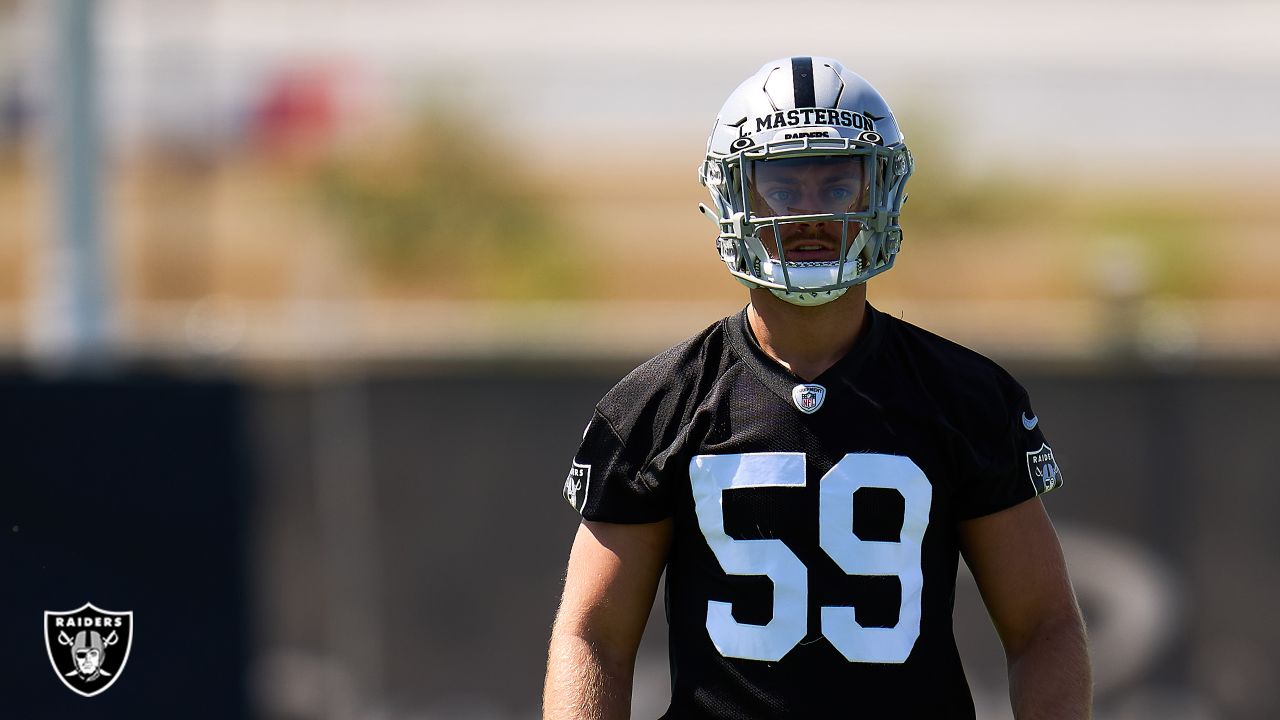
<point x="303" y="306"/>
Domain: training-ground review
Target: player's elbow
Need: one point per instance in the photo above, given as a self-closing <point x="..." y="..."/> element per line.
<point x="588" y="629"/>
<point x="1059" y="630"/>
<point x="588" y="671"/>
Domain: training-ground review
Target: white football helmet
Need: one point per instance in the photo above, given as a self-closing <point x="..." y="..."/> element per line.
<point x="807" y="170"/>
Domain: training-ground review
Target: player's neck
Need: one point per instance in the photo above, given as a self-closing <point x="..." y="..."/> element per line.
<point x="808" y="340"/>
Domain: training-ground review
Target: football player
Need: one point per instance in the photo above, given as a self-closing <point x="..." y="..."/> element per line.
<point x="809" y="471"/>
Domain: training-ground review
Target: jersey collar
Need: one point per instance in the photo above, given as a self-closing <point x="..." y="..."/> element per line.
<point x="779" y="379"/>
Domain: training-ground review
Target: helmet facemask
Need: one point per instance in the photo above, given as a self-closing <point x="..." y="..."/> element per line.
<point x="810" y="114"/>
<point x="808" y="218"/>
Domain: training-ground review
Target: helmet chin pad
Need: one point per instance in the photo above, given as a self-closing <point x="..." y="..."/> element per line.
<point x="809" y="299"/>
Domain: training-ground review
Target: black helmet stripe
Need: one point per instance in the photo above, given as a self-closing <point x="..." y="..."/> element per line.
<point x="802" y="81"/>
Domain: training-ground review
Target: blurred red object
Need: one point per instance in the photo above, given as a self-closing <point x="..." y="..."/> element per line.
<point x="299" y="111"/>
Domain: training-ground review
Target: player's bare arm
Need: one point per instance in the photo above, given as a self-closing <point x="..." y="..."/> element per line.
<point x="1017" y="562"/>
<point x="609" y="588"/>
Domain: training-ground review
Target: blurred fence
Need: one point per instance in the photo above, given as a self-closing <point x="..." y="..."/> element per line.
<point x="406" y="538"/>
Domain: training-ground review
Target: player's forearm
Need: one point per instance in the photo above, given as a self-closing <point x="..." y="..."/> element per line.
<point x="584" y="683"/>
<point x="1050" y="679"/>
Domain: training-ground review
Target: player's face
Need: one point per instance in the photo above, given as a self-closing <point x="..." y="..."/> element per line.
<point x="808" y="186"/>
<point x="87" y="660"/>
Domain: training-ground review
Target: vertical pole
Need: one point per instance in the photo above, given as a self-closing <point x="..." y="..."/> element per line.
<point x="346" y="507"/>
<point x="71" y="324"/>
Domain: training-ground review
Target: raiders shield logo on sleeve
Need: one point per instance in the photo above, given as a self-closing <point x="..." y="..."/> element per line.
<point x="88" y="647"/>
<point x="577" y="484"/>
<point x="1043" y="469"/>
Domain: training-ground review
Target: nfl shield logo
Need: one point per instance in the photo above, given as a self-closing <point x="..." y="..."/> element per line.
<point x="808" y="397"/>
<point x="88" y="647"/>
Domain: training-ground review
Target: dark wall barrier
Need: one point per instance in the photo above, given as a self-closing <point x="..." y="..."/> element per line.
<point x="130" y="494"/>
<point x="1167" y="517"/>
<point x="407" y="540"/>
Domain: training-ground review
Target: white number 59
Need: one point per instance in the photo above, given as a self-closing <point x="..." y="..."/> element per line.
<point x="711" y="475"/>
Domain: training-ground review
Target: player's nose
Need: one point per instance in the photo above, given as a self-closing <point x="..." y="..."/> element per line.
<point x="808" y="201"/>
<point x="805" y="204"/>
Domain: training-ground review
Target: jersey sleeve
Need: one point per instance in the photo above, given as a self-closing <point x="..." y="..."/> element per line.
<point x="1015" y="465"/>
<point x="610" y="478"/>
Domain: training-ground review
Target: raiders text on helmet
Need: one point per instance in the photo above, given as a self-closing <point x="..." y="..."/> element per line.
<point x="807" y="171"/>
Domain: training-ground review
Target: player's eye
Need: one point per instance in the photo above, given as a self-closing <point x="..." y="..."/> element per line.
<point x="840" y="193"/>
<point x="781" y="195"/>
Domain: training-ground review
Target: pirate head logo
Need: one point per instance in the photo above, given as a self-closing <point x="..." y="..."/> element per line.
<point x="88" y="647"/>
<point x="808" y="397"/>
<point x="1043" y="469"/>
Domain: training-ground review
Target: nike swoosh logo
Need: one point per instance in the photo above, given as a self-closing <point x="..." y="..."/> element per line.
<point x="1029" y="422"/>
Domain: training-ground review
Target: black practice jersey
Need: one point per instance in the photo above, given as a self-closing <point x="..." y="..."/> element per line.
<point x="812" y="569"/>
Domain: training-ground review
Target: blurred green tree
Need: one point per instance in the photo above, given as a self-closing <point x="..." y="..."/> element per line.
<point x="440" y="209"/>
<point x="1166" y="230"/>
